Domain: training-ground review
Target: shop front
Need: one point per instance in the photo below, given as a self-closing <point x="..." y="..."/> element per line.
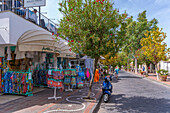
<point x="34" y="51"/>
<point x="37" y="60"/>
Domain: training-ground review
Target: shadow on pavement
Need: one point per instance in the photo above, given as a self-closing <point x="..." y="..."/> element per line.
<point x="114" y="80"/>
<point x="39" y="101"/>
<point x="130" y="77"/>
<point x="138" y="104"/>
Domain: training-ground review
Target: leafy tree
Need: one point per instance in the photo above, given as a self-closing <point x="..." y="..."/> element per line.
<point x="113" y="57"/>
<point x="122" y="59"/>
<point x="92" y="26"/>
<point x="143" y="59"/>
<point x="135" y="32"/>
<point x="154" y="46"/>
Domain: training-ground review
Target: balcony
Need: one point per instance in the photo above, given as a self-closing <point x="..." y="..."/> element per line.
<point x="29" y="14"/>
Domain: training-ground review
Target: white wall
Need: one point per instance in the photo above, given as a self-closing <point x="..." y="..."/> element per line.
<point x="4" y="28"/>
<point x="165" y="65"/>
<point x="16" y="27"/>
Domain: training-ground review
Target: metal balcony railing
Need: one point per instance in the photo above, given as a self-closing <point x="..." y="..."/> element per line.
<point x="29" y="14"/>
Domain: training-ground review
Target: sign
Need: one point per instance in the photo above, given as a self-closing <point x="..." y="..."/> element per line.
<point x="54" y="84"/>
<point x="48" y="49"/>
<point x="34" y="3"/>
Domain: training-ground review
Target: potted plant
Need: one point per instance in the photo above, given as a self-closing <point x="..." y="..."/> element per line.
<point x="162" y="74"/>
<point x="141" y="72"/>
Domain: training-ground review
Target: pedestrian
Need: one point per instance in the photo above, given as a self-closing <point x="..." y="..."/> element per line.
<point x="17" y="8"/>
<point x="143" y="68"/>
<point x="96" y="76"/>
<point x="116" y="72"/>
<point x="35" y="16"/>
<point x="99" y="73"/>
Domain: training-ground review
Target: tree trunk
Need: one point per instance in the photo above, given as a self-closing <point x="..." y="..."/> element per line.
<point x="136" y="65"/>
<point x="128" y="65"/>
<point x="150" y="68"/>
<point x="108" y="70"/>
<point x="92" y="79"/>
<point x="146" y="69"/>
<point x="156" y="69"/>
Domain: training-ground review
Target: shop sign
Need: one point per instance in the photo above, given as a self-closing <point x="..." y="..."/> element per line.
<point x="34" y="3"/>
<point x="47" y="49"/>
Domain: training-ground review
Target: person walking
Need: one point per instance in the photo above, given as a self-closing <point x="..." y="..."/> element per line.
<point x="96" y="76"/>
<point x="143" y="68"/>
<point x="116" y="72"/>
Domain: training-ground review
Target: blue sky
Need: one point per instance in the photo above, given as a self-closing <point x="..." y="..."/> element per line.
<point x="159" y="9"/>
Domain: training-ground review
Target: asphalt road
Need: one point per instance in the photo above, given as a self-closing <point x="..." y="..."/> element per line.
<point x="133" y="94"/>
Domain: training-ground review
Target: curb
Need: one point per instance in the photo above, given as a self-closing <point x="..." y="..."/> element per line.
<point x="96" y="107"/>
<point x="158" y="82"/>
<point x="149" y="79"/>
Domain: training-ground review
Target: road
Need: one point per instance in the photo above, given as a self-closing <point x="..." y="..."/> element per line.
<point x="133" y="94"/>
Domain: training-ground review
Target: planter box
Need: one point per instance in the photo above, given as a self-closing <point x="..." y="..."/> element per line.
<point x="163" y="78"/>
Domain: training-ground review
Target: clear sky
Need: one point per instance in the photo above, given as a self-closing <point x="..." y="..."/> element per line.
<point x="159" y="9"/>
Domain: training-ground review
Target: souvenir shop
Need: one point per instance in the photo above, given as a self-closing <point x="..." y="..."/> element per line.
<point x="17" y="68"/>
<point x="20" y="72"/>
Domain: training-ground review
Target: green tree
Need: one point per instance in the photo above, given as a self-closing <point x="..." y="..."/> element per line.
<point x="92" y="27"/>
<point x="142" y="59"/>
<point x="113" y="57"/>
<point x="135" y="32"/>
<point x="154" y="46"/>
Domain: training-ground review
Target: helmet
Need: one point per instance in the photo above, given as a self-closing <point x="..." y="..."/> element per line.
<point x="106" y="78"/>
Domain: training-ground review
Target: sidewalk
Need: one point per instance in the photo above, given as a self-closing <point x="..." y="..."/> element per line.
<point x="152" y="76"/>
<point x="71" y="102"/>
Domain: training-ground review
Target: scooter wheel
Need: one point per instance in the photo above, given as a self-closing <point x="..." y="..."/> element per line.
<point x="105" y="98"/>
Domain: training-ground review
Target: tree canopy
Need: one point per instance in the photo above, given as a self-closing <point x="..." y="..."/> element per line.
<point x="154" y="46"/>
<point x="93" y="27"/>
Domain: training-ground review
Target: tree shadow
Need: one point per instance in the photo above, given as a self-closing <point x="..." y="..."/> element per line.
<point x="138" y="104"/>
<point x="130" y="77"/>
<point x="40" y="100"/>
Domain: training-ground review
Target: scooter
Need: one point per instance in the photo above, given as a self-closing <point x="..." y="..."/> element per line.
<point x="107" y="89"/>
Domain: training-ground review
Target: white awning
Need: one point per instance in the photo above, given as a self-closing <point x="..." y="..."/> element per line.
<point x="65" y="49"/>
<point x="37" y="40"/>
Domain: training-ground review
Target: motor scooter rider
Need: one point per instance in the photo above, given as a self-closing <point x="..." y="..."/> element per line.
<point x="107" y="85"/>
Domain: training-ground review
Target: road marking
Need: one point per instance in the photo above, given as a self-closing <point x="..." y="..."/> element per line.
<point x="70" y="105"/>
<point x="77" y="102"/>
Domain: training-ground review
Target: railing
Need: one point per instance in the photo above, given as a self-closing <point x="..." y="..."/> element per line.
<point x="30" y="14"/>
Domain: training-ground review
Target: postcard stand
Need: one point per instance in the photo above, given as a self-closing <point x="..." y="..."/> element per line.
<point x="54" y="97"/>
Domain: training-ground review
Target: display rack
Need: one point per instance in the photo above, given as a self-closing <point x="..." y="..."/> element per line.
<point x="54" y="97"/>
<point x="19" y="83"/>
<point x="68" y="74"/>
<point x="56" y="81"/>
<point x="55" y="84"/>
<point x="2" y="70"/>
<point x="40" y="78"/>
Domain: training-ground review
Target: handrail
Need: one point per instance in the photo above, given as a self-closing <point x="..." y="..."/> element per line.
<point x="44" y="22"/>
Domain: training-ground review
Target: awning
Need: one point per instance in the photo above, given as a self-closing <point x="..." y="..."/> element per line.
<point x="37" y="40"/>
<point x="65" y="49"/>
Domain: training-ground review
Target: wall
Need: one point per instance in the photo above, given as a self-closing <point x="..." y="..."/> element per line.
<point x="16" y="26"/>
<point x="165" y="65"/>
<point x="4" y="28"/>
